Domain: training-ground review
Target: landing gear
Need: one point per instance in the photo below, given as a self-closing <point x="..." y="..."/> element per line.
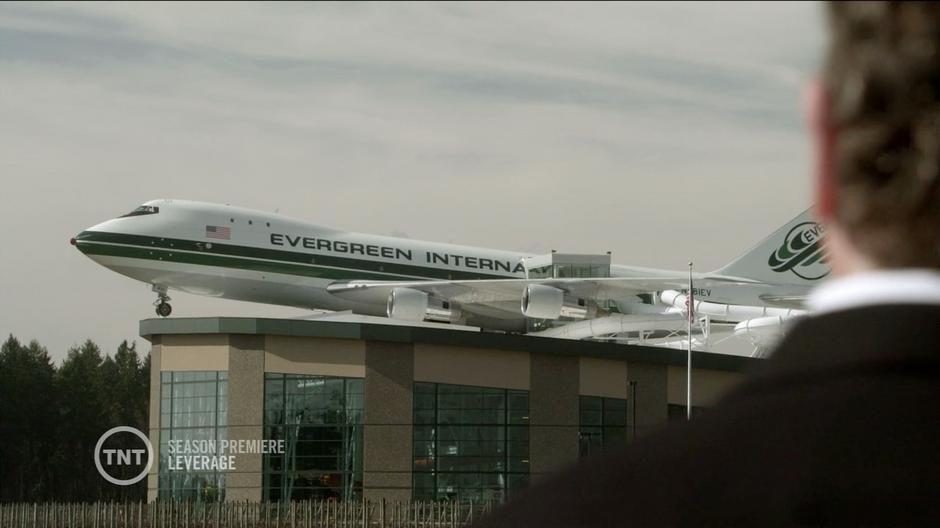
<point x="162" y="303"/>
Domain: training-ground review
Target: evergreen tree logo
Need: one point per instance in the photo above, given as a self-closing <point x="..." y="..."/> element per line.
<point x="802" y="253"/>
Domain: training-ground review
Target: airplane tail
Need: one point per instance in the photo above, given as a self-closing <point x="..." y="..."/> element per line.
<point x="793" y="254"/>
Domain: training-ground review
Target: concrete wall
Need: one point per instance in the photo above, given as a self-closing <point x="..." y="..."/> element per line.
<point x="603" y="377"/>
<point x="195" y="352"/>
<point x="154" y="432"/>
<point x="553" y="413"/>
<point x="505" y="369"/>
<point x="344" y="358"/>
<point x="708" y="386"/>
<point x="245" y="414"/>
<point x="387" y="430"/>
<point x="649" y="407"/>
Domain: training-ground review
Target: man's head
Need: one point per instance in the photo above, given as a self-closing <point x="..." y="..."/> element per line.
<point x="875" y="118"/>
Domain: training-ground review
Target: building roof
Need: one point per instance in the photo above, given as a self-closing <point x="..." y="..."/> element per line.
<point x="397" y="333"/>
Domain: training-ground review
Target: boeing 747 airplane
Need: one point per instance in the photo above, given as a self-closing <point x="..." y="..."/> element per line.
<point x="235" y="253"/>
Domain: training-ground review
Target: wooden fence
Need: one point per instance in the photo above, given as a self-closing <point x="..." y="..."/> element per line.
<point x="303" y="514"/>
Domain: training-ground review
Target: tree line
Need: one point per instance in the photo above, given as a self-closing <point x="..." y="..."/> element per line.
<point x="51" y="418"/>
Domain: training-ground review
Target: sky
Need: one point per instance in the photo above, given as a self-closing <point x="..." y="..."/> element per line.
<point x="663" y="132"/>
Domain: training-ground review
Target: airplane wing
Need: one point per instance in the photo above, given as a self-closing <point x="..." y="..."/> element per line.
<point x="494" y="291"/>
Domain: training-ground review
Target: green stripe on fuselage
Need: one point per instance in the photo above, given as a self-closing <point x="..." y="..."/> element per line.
<point x="275" y="261"/>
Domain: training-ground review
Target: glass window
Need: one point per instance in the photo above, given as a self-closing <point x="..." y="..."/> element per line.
<point x="143" y="210"/>
<point x="603" y="423"/>
<point x="320" y="420"/>
<point x="192" y="407"/>
<point x="470" y="443"/>
<point x="541" y="272"/>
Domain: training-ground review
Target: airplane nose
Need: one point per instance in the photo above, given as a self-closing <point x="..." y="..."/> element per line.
<point x="77" y="241"/>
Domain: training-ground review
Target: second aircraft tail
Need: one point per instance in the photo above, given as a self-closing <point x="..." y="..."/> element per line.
<point x="792" y="254"/>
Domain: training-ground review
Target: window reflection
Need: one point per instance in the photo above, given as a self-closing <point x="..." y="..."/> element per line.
<point x="320" y="419"/>
<point x="603" y="423"/>
<point x="193" y="406"/>
<point x="470" y="443"/>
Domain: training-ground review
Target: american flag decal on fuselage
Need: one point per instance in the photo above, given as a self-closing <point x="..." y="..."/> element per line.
<point x="223" y="233"/>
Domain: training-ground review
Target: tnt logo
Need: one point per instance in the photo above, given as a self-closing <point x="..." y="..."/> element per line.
<point x="121" y="456"/>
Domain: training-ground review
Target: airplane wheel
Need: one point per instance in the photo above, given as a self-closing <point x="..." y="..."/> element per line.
<point x="164" y="309"/>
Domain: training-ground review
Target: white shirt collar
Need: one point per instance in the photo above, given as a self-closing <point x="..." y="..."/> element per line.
<point x="909" y="286"/>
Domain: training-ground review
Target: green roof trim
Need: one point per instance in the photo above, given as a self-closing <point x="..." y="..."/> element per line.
<point x="438" y="336"/>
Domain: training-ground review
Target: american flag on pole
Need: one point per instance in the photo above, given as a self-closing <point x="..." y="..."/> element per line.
<point x="222" y="233"/>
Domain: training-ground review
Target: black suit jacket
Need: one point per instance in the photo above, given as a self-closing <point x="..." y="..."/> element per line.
<point x="839" y="427"/>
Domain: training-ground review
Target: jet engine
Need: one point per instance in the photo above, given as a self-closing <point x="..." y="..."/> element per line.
<point x="408" y="304"/>
<point x="545" y="302"/>
<point x="733" y="313"/>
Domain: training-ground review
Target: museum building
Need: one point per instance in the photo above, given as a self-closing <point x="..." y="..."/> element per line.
<point x="372" y="410"/>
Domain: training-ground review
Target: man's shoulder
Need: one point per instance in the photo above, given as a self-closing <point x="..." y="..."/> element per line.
<point x="801" y="452"/>
<point x="809" y="438"/>
<point x="879" y="339"/>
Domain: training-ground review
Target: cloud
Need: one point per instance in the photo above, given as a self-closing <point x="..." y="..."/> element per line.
<point x="655" y="130"/>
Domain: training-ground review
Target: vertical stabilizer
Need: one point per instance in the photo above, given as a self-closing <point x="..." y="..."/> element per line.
<point x="793" y="254"/>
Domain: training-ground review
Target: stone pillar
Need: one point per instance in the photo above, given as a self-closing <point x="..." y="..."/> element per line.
<point x="154" y="432"/>
<point x="649" y="404"/>
<point x="245" y="414"/>
<point x="553" y="413"/>
<point x="387" y="431"/>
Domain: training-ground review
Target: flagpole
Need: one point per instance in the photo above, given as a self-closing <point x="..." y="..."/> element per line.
<point x="688" y="373"/>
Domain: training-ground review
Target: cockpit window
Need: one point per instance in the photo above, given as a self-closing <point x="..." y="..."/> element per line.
<point x="143" y="210"/>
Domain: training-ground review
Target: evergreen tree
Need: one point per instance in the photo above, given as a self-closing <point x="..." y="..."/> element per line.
<point x="51" y="419"/>
<point x="82" y="420"/>
<point x="27" y="420"/>
<point x="128" y="388"/>
<point x="125" y="401"/>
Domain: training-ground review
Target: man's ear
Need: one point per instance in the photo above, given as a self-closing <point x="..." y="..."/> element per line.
<point x="823" y="135"/>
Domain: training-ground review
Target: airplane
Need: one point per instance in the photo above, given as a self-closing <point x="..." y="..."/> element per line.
<point x="236" y="253"/>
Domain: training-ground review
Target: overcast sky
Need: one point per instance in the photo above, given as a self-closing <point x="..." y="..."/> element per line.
<point x="662" y="132"/>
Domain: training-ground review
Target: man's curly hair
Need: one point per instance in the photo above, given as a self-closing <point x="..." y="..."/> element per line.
<point x="882" y="77"/>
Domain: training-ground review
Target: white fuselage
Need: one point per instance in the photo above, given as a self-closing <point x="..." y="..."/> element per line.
<point x="273" y="259"/>
<point x="236" y="253"/>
